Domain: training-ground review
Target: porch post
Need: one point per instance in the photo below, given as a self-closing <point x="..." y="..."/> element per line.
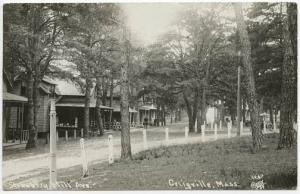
<point x="4" y="123"/>
<point x="110" y="119"/>
<point x="17" y="125"/>
<point x="110" y="115"/>
<point x="143" y="115"/>
<point x="76" y="122"/>
<point x="137" y="120"/>
<point x="22" y="119"/>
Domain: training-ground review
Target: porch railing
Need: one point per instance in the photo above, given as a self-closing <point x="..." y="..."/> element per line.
<point x="24" y="136"/>
<point x="116" y="125"/>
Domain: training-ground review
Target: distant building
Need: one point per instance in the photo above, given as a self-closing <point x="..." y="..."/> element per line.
<point x="70" y="108"/>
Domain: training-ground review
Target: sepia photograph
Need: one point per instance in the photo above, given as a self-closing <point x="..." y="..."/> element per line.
<point x="127" y="96"/>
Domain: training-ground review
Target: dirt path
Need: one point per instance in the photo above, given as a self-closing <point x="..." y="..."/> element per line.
<point x="69" y="155"/>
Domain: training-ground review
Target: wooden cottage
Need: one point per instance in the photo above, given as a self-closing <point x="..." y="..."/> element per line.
<point x="13" y="125"/>
<point x="70" y="109"/>
<point x="15" y="109"/>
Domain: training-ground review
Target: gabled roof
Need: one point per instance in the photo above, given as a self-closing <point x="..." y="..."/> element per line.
<point x="6" y="77"/>
<point x="68" y="88"/>
<point x="48" y="80"/>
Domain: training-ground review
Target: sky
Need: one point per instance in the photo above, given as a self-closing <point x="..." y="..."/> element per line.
<point x="149" y="20"/>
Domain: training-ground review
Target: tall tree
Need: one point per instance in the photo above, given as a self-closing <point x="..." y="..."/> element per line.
<point x="125" y="133"/>
<point x="252" y="99"/>
<point x="289" y="84"/>
<point x="34" y="31"/>
<point x="85" y="40"/>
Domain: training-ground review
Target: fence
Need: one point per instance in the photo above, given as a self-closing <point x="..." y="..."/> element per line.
<point x="206" y="134"/>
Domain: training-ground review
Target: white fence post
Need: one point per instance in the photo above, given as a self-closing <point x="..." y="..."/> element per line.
<point x="229" y="126"/>
<point x="74" y="133"/>
<point x="81" y="131"/>
<point x="186" y="133"/>
<point x="85" y="171"/>
<point x="242" y="127"/>
<point x="216" y="131"/>
<point x="53" y="133"/>
<point x="202" y="132"/>
<point x="66" y="134"/>
<point x="167" y="136"/>
<point x="145" y="144"/>
<point x="110" y="149"/>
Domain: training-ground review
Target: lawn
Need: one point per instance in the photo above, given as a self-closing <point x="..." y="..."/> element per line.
<point x="223" y="164"/>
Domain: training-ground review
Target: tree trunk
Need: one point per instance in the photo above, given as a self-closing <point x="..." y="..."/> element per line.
<point x="251" y="92"/>
<point x="30" y="116"/>
<point x="238" y="103"/>
<point x="111" y="91"/>
<point x="244" y="110"/>
<point x="125" y="133"/>
<point x="104" y="95"/>
<point x="271" y="112"/>
<point x="195" y="107"/>
<point x="222" y="111"/>
<point x="261" y="105"/>
<point x="36" y="104"/>
<point x="179" y="114"/>
<point x="87" y="107"/>
<point x="199" y="119"/>
<point x="232" y="114"/>
<point x="205" y="86"/>
<point x="203" y="107"/>
<point x="159" y="115"/>
<point x="33" y="53"/>
<point x="163" y="115"/>
<point x="98" y="110"/>
<point x="292" y="24"/>
<point x="189" y="111"/>
<point x="287" y="109"/>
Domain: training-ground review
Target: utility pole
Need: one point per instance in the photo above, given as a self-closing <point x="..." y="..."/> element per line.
<point x="53" y="172"/>
<point x="239" y="99"/>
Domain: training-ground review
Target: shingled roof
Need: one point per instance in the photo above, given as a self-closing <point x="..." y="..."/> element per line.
<point x="68" y="88"/>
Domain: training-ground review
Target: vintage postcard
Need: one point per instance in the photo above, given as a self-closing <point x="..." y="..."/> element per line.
<point x="126" y="96"/>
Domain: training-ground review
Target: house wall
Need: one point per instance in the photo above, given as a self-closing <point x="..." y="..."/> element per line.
<point x="4" y="86"/>
<point x="43" y="113"/>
